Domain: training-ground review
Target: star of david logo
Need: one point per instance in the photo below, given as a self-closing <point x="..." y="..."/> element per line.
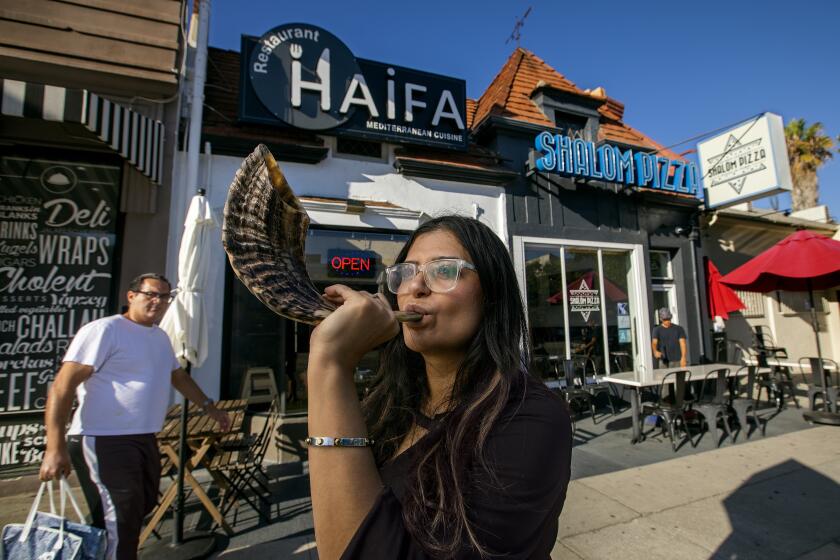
<point x="578" y="300"/>
<point x="733" y="166"/>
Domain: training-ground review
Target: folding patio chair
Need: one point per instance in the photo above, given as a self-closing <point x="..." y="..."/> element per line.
<point x="239" y="462"/>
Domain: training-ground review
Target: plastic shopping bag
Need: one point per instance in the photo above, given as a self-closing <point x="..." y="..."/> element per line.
<point x="32" y="542"/>
<point x="94" y="543"/>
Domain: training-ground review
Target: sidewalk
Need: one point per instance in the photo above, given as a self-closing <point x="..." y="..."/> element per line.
<point x="771" y="498"/>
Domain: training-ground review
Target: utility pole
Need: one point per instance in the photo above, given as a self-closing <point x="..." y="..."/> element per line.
<point x="516" y="34"/>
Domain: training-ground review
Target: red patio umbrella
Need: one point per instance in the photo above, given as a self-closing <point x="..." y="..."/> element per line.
<point x="722" y="299"/>
<point x="801" y="262"/>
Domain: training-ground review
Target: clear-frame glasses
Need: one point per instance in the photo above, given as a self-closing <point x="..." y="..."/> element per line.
<point x="440" y="275"/>
<point x="155" y="296"/>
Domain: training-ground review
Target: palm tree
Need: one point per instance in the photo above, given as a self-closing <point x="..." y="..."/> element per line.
<point x="808" y="148"/>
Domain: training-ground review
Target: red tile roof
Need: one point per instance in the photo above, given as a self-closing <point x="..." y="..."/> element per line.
<point x="472" y="105"/>
<point x="509" y="95"/>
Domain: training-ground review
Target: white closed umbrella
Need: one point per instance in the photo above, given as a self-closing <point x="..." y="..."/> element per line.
<point x="186" y="324"/>
<point x="184" y="321"/>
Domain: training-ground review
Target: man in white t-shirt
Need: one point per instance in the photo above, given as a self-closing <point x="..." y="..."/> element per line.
<point x="120" y="368"/>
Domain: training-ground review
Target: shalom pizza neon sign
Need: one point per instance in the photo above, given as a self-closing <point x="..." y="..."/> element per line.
<point x="575" y="157"/>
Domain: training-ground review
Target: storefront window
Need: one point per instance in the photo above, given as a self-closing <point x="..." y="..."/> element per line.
<point x="581" y="308"/>
<point x="545" y="300"/>
<point x="583" y="282"/>
<point x="664" y="289"/>
<point x="58" y="237"/>
<point x="621" y="330"/>
<point x="259" y="338"/>
<point x="660" y="265"/>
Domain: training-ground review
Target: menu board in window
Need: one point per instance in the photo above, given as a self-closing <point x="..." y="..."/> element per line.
<point x="57" y="238"/>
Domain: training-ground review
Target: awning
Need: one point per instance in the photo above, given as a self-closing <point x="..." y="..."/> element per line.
<point x="136" y="138"/>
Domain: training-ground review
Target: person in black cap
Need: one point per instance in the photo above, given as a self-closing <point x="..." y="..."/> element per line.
<point x="669" y="341"/>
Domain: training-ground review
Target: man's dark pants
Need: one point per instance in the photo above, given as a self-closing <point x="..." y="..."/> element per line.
<point x="119" y="476"/>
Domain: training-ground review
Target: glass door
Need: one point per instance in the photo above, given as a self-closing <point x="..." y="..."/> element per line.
<point x="583" y="305"/>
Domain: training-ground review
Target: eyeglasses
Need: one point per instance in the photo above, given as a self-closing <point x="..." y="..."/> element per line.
<point x="440" y="275"/>
<point x="155" y="296"/>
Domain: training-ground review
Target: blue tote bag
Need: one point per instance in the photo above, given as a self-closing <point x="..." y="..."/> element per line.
<point x="50" y="536"/>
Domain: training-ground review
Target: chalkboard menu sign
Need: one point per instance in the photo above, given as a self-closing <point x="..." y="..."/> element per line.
<point x="57" y="238"/>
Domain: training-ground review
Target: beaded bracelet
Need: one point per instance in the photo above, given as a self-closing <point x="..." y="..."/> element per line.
<point x="338" y="441"/>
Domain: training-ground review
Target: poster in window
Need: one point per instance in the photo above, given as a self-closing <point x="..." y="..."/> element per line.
<point x="57" y="237"/>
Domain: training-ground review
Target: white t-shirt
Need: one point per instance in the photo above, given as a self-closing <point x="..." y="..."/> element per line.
<point x="128" y="391"/>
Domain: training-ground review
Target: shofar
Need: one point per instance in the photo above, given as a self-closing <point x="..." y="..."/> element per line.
<point x="264" y="235"/>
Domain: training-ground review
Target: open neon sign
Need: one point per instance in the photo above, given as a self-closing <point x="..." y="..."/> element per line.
<point x="356" y="264"/>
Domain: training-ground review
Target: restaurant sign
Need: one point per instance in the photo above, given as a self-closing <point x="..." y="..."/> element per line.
<point x="747" y="162"/>
<point x="575" y="157"/>
<point x="305" y="77"/>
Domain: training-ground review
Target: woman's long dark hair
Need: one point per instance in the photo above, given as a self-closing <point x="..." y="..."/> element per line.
<point x="491" y="373"/>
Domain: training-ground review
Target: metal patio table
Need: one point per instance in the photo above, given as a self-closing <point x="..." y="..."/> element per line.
<point x="638" y="381"/>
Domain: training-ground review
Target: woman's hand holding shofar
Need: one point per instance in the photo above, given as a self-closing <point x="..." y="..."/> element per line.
<point x="362" y="322"/>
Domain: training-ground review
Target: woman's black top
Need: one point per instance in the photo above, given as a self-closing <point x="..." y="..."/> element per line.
<point x="529" y="448"/>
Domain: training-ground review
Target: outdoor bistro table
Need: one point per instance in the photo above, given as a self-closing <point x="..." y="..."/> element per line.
<point x="202" y="434"/>
<point x="638" y="381"/>
<point x="804" y="367"/>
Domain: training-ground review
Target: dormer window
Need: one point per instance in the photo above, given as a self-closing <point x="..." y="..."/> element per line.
<point x="571" y="125"/>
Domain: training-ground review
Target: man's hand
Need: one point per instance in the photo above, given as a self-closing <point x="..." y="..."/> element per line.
<point x="657" y="354"/>
<point x="219" y="416"/>
<point x="683" y="363"/>
<point x="56" y="463"/>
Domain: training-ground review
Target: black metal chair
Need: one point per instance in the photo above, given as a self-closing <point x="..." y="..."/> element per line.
<point x="743" y="400"/>
<point x="670" y="405"/>
<point x="239" y="462"/>
<point x="578" y="398"/>
<point x="541" y="367"/>
<point x="775" y="380"/>
<point x="764" y="341"/>
<point x="831" y="379"/>
<point x="712" y="402"/>
<point x="588" y="381"/>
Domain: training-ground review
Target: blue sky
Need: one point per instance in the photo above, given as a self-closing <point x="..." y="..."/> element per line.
<point x="680" y="71"/>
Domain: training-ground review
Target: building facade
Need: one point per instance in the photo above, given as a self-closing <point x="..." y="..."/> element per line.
<point x="87" y="128"/>
<point x="364" y="193"/>
<point x="595" y="256"/>
<point x="599" y="244"/>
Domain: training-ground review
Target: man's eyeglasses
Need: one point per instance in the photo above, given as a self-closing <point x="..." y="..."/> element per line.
<point x="440" y="275"/>
<point x="155" y="296"/>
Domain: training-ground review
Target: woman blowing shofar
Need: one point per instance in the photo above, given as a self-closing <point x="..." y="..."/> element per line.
<point x="456" y="452"/>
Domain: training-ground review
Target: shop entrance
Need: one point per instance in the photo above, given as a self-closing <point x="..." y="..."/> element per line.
<point x="584" y="304"/>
